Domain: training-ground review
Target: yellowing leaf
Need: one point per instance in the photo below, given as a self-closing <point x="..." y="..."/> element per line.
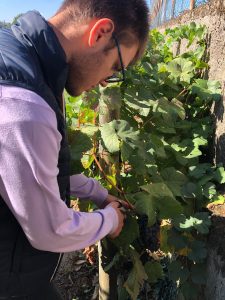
<point x="184" y="251"/>
<point x="136" y="277"/>
<point x="163" y="238"/>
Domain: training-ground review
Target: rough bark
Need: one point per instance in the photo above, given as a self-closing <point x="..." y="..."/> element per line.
<point x="215" y="288"/>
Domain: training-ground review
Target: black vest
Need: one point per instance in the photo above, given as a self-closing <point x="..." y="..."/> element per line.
<point x="31" y="57"/>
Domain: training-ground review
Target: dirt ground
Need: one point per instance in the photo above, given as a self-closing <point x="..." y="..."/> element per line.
<point x="79" y="279"/>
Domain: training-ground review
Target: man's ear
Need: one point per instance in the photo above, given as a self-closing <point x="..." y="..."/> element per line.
<point x="101" y="33"/>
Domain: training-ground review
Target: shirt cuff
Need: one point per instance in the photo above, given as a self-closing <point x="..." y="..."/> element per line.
<point x="110" y="213"/>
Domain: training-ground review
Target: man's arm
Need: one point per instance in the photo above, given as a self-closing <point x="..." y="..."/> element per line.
<point x="87" y="188"/>
<point x="29" y="145"/>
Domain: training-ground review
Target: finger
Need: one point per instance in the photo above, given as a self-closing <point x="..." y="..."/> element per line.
<point x="125" y="204"/>
<point x="122" y="209"/>
<point x="119" y="203"/>
<point x="115" y="204"/>
<point x="129" y="205"/>
<point x="122" y="203"/>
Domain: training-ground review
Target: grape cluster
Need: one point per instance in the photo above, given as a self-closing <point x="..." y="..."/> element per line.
<point x="149" y="235"/>
<point x="165" y="289"/>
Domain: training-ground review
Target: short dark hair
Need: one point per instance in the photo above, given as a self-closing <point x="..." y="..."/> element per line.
<point x="130" y="17"/>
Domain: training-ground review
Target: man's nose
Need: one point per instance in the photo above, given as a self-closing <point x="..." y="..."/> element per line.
<point x="103" y="83"/>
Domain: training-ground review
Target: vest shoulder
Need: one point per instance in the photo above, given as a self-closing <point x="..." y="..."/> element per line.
<point x="17" y="62"/>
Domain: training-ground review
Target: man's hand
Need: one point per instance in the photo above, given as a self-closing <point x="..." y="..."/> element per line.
<point x="112" y="199"/>
<point x="121" y="217"/>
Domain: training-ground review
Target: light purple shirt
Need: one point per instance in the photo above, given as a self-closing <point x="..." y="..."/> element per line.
<point x="29" y="146"/>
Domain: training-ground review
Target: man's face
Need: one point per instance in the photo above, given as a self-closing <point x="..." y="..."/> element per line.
<point x="87" y="71"/>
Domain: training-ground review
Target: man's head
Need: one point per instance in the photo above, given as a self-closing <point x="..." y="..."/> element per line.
<point x="96" y="34"/>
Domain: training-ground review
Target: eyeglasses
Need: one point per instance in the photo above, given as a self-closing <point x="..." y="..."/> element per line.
<point x="120" y="75"/>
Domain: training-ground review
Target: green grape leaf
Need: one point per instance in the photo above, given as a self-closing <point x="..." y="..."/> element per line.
<point x="129" y="233"/>
<point x="206" y="89"/>
<point x="136" y="277"/>
<point x="164" y="201"/>
<point x="178" y="108"/>
<point x="87" y="160"/>
<point x="173" y="108"/>
<point x="126" y="151"/>
<point x="189" y="292"/>
<point x="194" y="153"/>
<point x="198" y="273"/>
<point x="189" y="190"/>
<point x="113" y="262"/>
<point x="110" y="138"/>
<point x="219" y="175"/>
<point x="156" y="143"/>
<point x="178" y="272"/>
<point x="177" y="240"/>
<point x="157" y="190"/>
<point x="209" y="190"/>
<point x="174" y="180"/>
<point x="89" y="130"/>
<point x="145" y="205"/>
<point x="198" y="251"/>
<point x="147" y="66"/>
<point x="200" y="221"/>
<point x="154" y="271"/>
<point x="193" y="147"/>
<point x="116" y="131"/>
<point x="122" y="293"/>
<point x="136" y="102"/>
<point x="200" y="141"/>
<point x="79" y="143"/>
<point x="181" y="68"/>
<point x="199" y="170"/>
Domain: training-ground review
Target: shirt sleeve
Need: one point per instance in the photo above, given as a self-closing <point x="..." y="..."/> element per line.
<point x="29" y="146"/>
<point x="87" y="188"/>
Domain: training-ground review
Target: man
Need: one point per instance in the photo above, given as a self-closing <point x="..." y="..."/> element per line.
<point x="83" y="45"/>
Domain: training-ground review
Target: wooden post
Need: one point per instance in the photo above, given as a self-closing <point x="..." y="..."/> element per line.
<point x="173" y="8"/>
<point x="109" y="110"/>
<point x="192" y="4"/>
<point x="164" y="10"/>
<point x="107" y="281"/>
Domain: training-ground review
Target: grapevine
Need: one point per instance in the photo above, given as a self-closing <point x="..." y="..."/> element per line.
<point x="163" y="136"/>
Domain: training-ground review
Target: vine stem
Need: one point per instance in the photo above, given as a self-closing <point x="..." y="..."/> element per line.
<point x="182" y="92"/>
<point x="109" y="181"/>
<point x="148" y="121"/>
<point x="104" y="174"/>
